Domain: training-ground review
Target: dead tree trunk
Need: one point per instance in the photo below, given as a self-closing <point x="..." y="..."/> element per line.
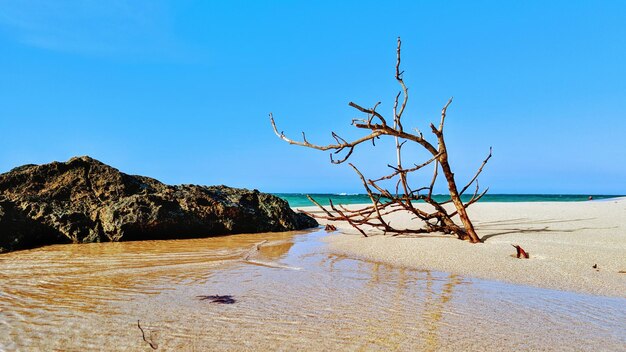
<point x="384" y="201"/>
<point x="468" y="232"/>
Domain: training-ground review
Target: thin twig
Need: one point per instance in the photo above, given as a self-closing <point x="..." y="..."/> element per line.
<point x="143" y="336"/>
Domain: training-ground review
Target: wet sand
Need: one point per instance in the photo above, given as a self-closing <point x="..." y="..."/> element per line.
<point x="293" y="294"/>
<point x="565" y="240"/>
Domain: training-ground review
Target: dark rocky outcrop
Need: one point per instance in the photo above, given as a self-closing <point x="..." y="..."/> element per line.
<point x="84" y="200"/>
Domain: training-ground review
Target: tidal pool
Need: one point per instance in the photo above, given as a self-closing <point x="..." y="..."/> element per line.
<point x="290" y="294"/>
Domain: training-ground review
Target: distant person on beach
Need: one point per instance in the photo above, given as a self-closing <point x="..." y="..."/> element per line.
<point x="590" y="198"/>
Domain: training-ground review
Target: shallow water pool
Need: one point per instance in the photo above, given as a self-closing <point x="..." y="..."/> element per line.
<point x="290" y="294"/>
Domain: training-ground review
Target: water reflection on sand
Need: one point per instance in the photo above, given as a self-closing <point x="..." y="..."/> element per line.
<point x="292" y="294"/>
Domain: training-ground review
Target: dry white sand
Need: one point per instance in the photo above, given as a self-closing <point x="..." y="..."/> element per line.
<point x="565" y="240"/>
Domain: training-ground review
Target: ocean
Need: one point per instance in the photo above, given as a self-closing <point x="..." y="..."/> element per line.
<point x="300" y="199"/>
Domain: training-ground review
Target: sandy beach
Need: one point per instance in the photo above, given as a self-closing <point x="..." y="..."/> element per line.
<point x="565" y="241"/>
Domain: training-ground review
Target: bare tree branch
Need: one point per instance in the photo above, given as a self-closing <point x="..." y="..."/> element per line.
<point x="436" y="218"/>
<point x="480" y="169"/>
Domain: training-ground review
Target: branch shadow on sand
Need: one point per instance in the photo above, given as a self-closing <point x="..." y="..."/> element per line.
<point x="508" y="227"/>
<point x="515" y="226"/>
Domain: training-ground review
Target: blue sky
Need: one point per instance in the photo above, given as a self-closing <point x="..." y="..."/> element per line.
<point x="181" y="90"/>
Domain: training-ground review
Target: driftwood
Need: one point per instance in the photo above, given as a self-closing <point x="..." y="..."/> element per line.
<point x="402" y="196"/>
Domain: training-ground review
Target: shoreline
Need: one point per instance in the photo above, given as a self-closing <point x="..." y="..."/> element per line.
<point x="565" y="240"/>
<point x="281" y="286"/>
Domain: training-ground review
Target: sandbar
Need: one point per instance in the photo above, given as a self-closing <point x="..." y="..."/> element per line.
<point x="573" y="246"/>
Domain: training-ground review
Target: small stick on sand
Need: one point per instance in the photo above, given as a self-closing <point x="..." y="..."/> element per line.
<point x="521" y="253"/>
<point x="143" y="335"/>
<point x="255" y="248"/>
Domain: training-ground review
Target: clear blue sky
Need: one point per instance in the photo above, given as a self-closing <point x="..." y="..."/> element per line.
<point x="181" y="90"/>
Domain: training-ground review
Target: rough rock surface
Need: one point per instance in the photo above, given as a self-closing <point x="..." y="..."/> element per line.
<point x="84" y="200"/>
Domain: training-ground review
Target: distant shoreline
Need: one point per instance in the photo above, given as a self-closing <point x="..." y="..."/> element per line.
<point x="300" y="199"/>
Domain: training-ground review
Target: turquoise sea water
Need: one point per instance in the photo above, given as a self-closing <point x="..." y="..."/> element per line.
<point x="300" y="200"/>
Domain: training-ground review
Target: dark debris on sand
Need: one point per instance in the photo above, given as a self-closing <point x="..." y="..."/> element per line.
<point x="225" y="299"/>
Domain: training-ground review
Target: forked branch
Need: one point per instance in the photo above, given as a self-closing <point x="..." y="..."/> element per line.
<point x="434" y="215"/>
